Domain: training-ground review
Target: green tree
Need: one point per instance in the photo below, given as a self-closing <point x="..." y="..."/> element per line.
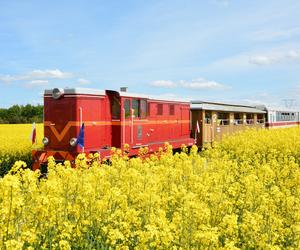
<point x="22" y="114"/>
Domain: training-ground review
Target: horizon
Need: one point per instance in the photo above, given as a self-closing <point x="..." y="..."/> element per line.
<point x="217" y="50"/>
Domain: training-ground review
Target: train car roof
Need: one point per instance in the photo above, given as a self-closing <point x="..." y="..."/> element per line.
<point x="277" y="108"/>
<point x="225" y="107"/>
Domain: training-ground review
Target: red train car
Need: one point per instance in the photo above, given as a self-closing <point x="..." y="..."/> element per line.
<point x="111" y="119"/>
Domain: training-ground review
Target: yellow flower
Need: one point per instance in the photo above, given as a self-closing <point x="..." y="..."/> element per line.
<point x="241" y="194"/>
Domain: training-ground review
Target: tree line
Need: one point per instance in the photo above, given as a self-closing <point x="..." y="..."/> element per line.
<point x="22" y="114"/>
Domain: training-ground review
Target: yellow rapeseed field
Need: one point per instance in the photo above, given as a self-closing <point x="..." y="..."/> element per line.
<point x="15" y="144"/>
<point x="242" y="194"/>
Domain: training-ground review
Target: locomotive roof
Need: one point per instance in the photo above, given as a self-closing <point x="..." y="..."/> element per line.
<point x="153" y="97"/>
<point x="88" y="91"/>
<point x="85" y="91"/>
<point x="226" y="107"/>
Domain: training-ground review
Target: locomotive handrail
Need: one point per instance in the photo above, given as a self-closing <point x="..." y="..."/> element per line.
<point x="132" y="116"/>
<point x="80" y="116"/>
<point x="80" y="119"/>
<point x="123" y="127"/>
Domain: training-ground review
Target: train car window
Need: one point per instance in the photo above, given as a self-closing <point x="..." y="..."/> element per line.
<point x="159" y="109"/>
<point x="143" y="108"/>
<point x="238" y="118"/>
<point x="249" y="118"/>
<point x="223" y="118"/>
<point x="171" y="109"/>
<point x="136" y="107"/>
<point x="207" y="117"/>
<point x="115" y="108"/>
<point x="127" y="108"/>
<point x="260" y="118"/>
<point x="293" y="117"/>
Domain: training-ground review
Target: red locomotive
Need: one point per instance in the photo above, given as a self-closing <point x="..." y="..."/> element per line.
<point x="111" y="119"/>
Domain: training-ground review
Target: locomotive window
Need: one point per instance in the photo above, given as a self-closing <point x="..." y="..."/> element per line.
<point x="159" y="109"/>
<point x="136" y="107"/>
<point x="143" y="108"/>
<point x="148" y="109"/>
<point x="115" y="108"/>
<point x="127" y="108"/>
<point x="171" y="109"/>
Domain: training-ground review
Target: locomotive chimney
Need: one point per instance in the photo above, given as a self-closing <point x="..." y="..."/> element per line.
<point x="123" y="89"/>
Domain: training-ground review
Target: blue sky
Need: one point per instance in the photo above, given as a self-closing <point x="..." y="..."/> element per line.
<point x="221" y="50"/>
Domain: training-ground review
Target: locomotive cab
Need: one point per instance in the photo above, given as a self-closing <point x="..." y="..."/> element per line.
<point x="65" y="111"/>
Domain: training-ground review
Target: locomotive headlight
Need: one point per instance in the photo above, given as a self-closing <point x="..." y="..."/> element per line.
<point x="45" y="141"/>
<point x="73" y="142"/>
<point x="57" y="93"/>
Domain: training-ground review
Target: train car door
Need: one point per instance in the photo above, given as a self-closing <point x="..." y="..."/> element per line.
<point x="208" y="126"/>
<point x="115" y="111"/>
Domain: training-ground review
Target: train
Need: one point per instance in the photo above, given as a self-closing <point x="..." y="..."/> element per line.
<point x="131" y="121"/>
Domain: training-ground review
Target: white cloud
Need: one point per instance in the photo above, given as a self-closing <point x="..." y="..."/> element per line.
<point x="199" y="83"/>
<point x="270" y="35"/>
<point x="45" y="74"/>
<point x="261" y="60"/>
<point x="163" y="84"/>
<point x="202" y="83"/>
<point x="282" y="56"/>
<point x="7" y="78"/>
<point x="275" y="57"/>
<point x="83" y="81"/>
<point x="37" y="83"/>
<point x="37" y="75"/>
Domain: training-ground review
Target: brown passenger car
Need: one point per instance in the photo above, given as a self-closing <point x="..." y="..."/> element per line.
<point x="218" y="119"/>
